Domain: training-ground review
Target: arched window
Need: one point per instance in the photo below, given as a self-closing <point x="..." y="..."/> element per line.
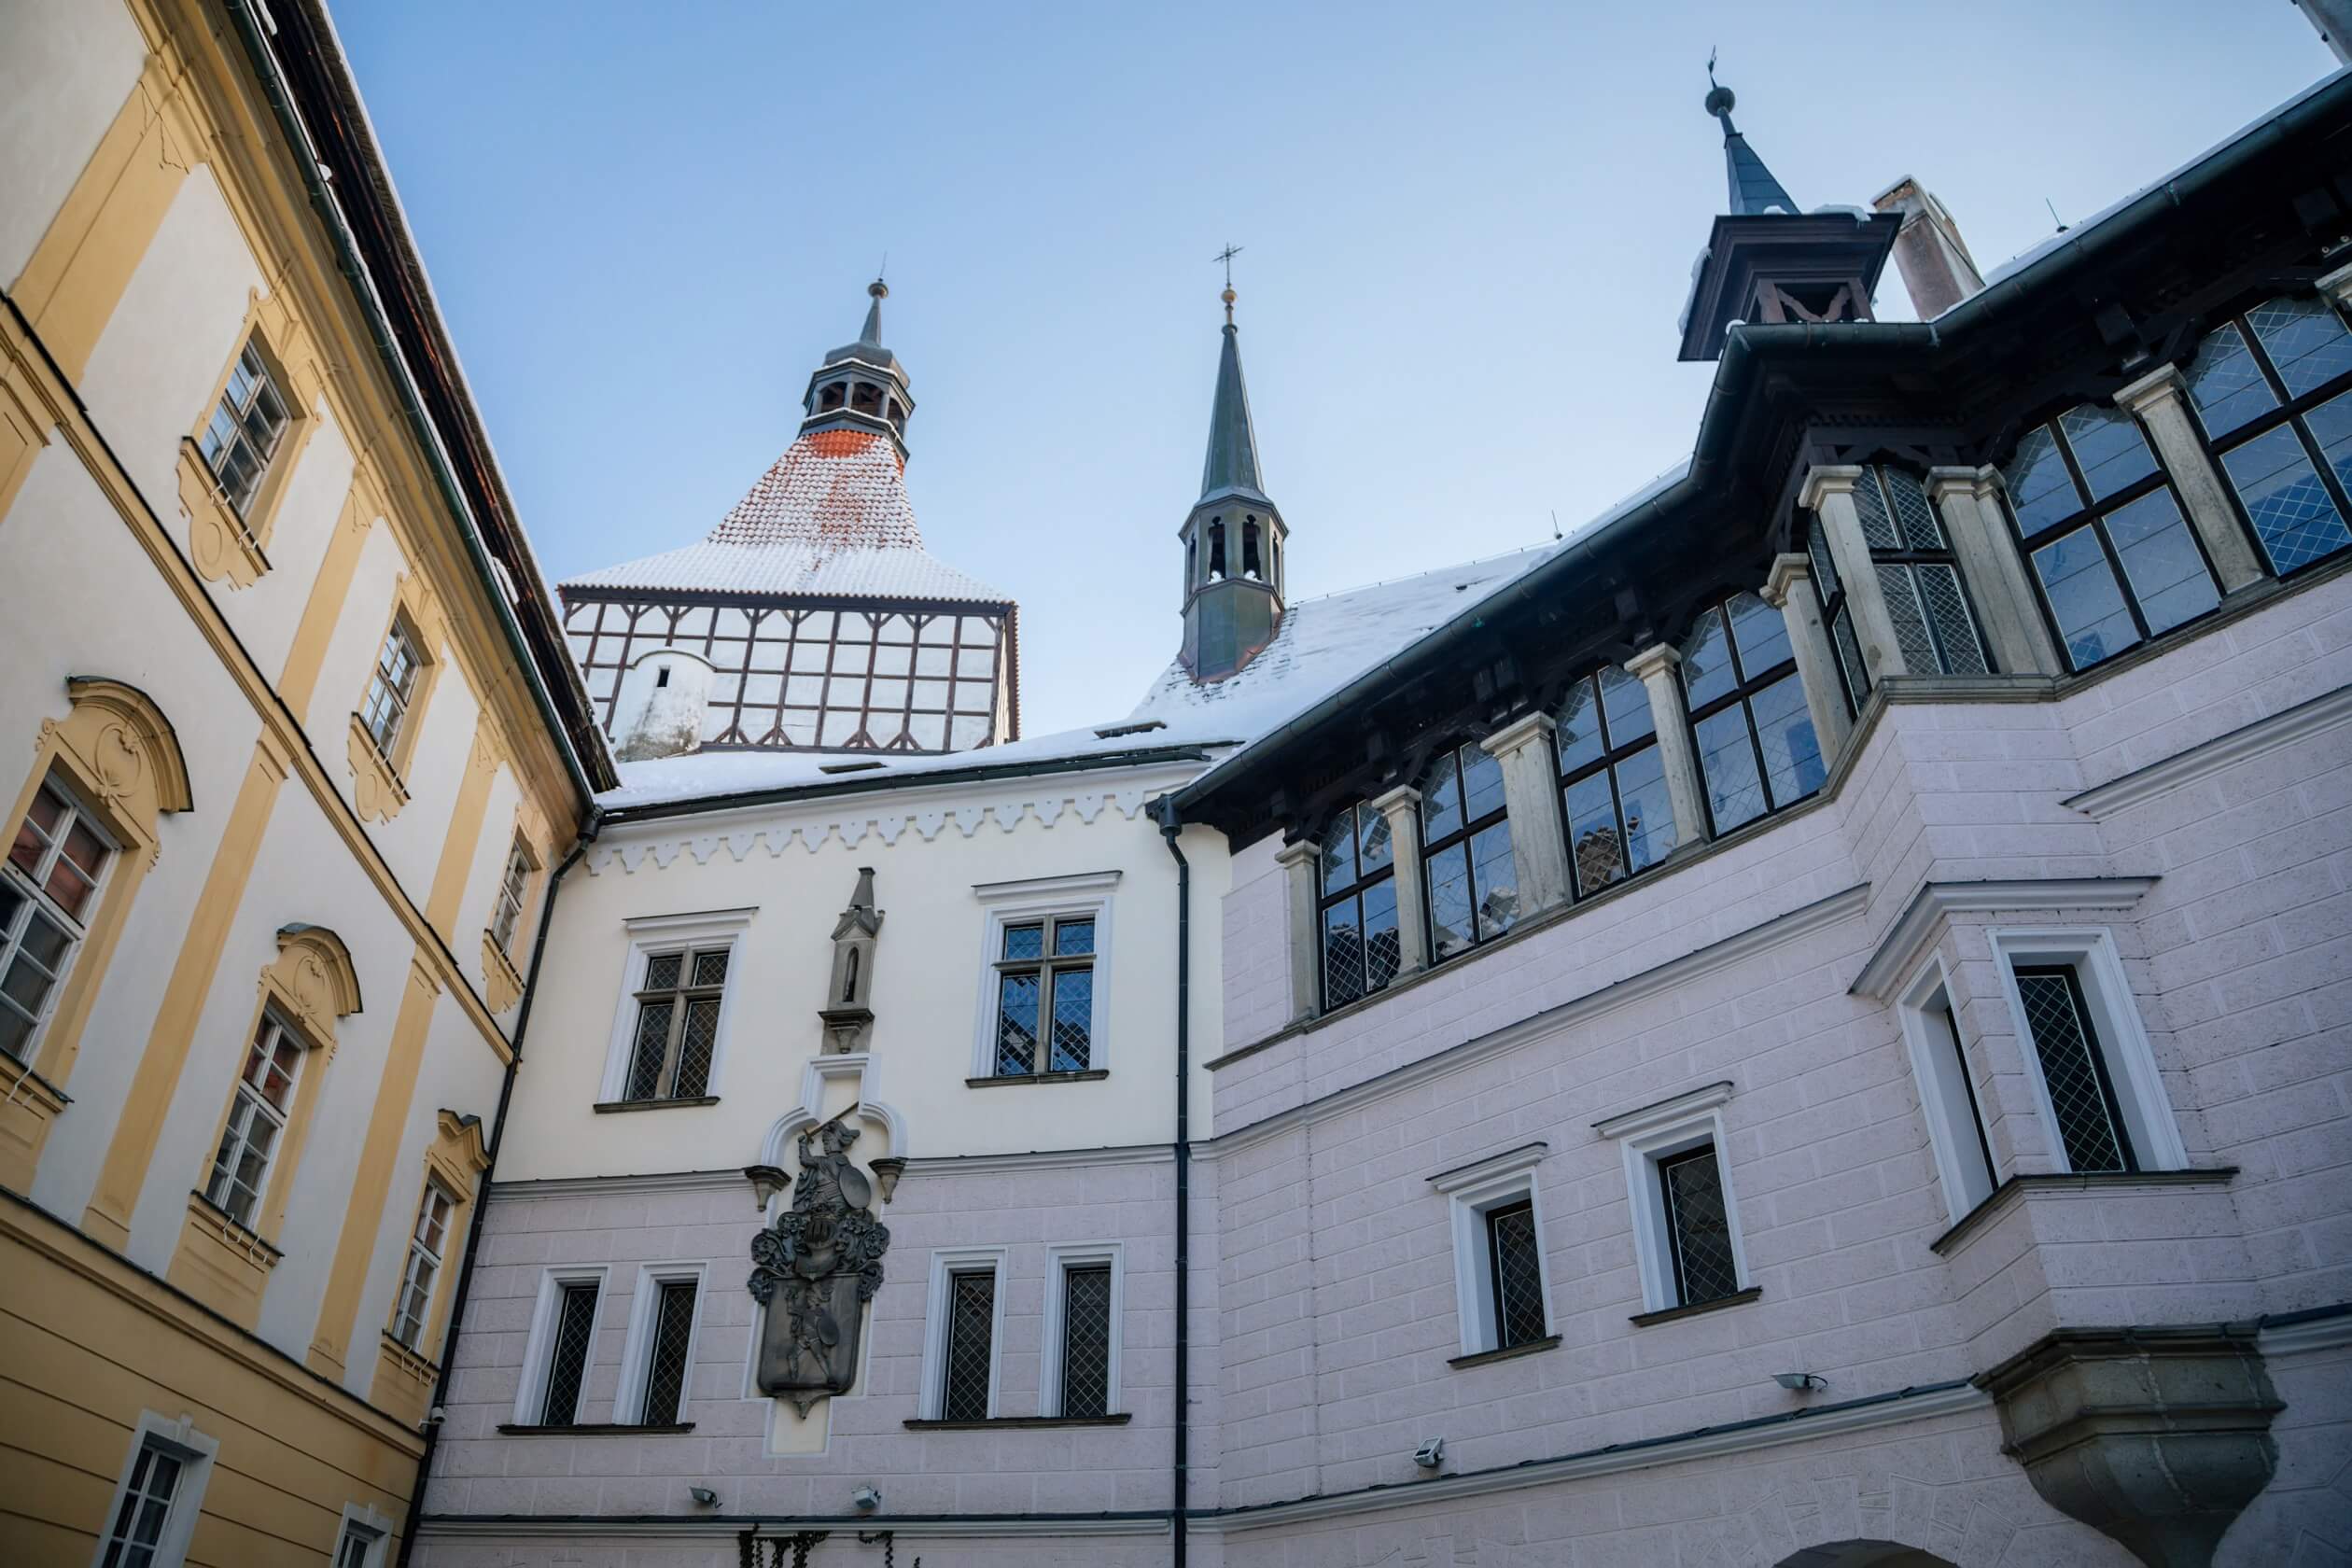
<point x="1918" y="575"/>
<point x="2100" y="523"/>
<point x="1357" y="909"/>
<point x="1755" y="743"/>
<point x="2274" y="391"/>
<point x="1216" y="549"/>
<point x="1250" y="565"/>
<point x="1613" y="781"/>
<point x="1466" y="852"/>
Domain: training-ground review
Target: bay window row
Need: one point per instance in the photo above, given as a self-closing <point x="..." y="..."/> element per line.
<point x="2107" y="526"/>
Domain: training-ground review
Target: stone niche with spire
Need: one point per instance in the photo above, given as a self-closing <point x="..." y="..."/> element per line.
<point x="813" y="617"/>
<point x="1768" y="261"/>
<point x="1234" y="538"/>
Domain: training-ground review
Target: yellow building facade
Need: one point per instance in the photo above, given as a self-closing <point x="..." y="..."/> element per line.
<point x="290" y="752"/>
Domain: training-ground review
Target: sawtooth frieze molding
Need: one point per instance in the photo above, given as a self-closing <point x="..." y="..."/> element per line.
<point x="1906" y="941"/>
<point x="851" y="828"/>
<point x="2302" y="721"/>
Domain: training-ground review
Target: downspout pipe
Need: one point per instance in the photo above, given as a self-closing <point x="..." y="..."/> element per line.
<point x="1170" y="824"/>
<point x="482" y="1203"/>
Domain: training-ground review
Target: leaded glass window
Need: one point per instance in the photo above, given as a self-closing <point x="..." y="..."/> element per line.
<point x="1515" y="1264"/>
<point x="1357" y="909"/>
<point x="2273" y="389"/>
<point x="1466" y="852"/>
<point x="1085" y="1348"/>
<point x="1698" y="1226"/>
<point x="1837" y="614"/>
<point x="392" y="687"/>
<point x="427" y="1244"/>
<point x="48" y="888"/>
<point x="1918" y="575"/>
<point x="257" y="1121"/>
<point x="1755" y="743"/>
<point x="2100" y="523"/>
<point x="2074" y="1071"/>
<point x="1045" y="989"/>
<point x="574" y="1331"/>
<point x="242" y="434"/>
<point x="968" y="1366"/>
<point x="135" y="1536"/>
<point x="677" y="1013"/>
<point x="1612" y="780"/>
<point x="673" y="1331"/>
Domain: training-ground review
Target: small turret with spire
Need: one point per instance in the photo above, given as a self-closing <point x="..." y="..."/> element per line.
<point x="1770" y="262"/>
<point x="1234" y="537"/>
<point x="862" y="385"/>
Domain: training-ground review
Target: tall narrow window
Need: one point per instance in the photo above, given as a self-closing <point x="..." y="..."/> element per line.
<point x="677" y="1024"/>
<point x="574" y="1333"/>
<point x="1045" y="996"/>
<point x="392" y="687"/>
<point x="1085" y="1332"/>
<point x="1466" y="852"/>
<point x="1515" y="1264"/>
<point x="48" y="888"/>
<point x="1918" y="575"/>
<point x="1216" y="549"/>
<point x="1358" y="907"/>
<point x="427" y="1244"/>
<point x="1838" y="615"/>
<point x="517" y="876"/>
<point x="135" y="1536"/>
<point x="257" y="1121"/>
<point x="2274" y="389"/>
<point x="1251" y="567"/>
<point x="1698" y="1226"/>
<point x="1757" y="747"/>
<point x="2100" y="522"/>
<point x="242" y="434"/>
<point x="968" y="1366"/>
<point x="1620" y="819"/>
<point x="2075" y="1069"/>
<point x="672" y="1332"/>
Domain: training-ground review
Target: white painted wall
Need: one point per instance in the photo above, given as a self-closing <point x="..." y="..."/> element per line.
<point x="63" y="75"/>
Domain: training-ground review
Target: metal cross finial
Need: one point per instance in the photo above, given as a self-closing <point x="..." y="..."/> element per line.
<point x="1719" y="97"/>
<point x="1227" y="257"/>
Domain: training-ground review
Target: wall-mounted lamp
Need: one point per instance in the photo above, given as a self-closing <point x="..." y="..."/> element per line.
<point x="887" y="1171"/>
<point x="766" y="1182"/>
<point x="704" y="1497"/>
<point x="865" y="1500"/>
<point x="1800" y="1383"/>
<point x="1431" y="1454"/>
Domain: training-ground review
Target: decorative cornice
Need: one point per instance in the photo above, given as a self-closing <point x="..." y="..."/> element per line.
<point x="2163" y="382"/>
<point x="1047" y="886"/>
<point x="1658" y="1114"/>
<point x="1041" y="1159"/>
<point x="2329" y="1328"/>
<point x="1825" y="478"/>
<point x="1797" y="1426"/>
<point x="1528" y="729"/>
<point x="1900" y="950"/>
<point x="1788" y="569"/>
<point x="713" y="1527"/>
<point x="2284" y="728"/>
<point x="1526" y="1156"/>
<point x="1762" y="937"/>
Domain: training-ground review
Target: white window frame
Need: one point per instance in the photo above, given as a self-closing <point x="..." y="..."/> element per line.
<point x="1659" y="1132"/>
<point x="506" y="902"/>
<point x="433" y="1187"/>
<point x="637" y="1352"/>
<point x="2149" y="1120"/>
<point x="1472" y="1192"/>
<point x="1956" y="1131"/>
<point x="704" y="931"/>
<point x="375" y="1529"/>
<point x="195" y="1451"/>
<point x="33" y="891"/>
<point x="1086" y="896"/>
<point x="1059" y="1259"/>
<point x="961" y="1260"/>
<point x="530" y="1394"/>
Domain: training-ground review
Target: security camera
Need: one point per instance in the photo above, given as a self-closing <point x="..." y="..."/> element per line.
<point x="437" y="1415"/>
<point x="704" y="1497"/>
<point x="865" y="1499"/>
<point x="1431" y="1454"/>
<point x="1800" y="1383"/>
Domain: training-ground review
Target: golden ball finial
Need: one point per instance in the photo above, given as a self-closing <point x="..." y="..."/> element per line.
<point x="879" y="290"/>
<point x="1228" y="296"/>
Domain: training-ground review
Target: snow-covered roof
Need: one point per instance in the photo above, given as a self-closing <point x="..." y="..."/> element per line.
<point x="830" y="518"/>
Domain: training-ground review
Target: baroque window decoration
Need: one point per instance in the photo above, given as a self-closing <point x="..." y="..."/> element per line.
<point x="1613" y="781"/>
<point x="1756" y="744"/>
<point x="1356" y="910"/>
<point x="2099" y="521"/>
<point x="1045" y="981"/>
<point x="392" y="687"/>
<point x="2274" y="391"/>
<point x="1918" y="575"/>
<point x="677" y="1008"/>
<point x="49" y="890"/>
<point x="512" y="882"/>
<point x="1466" y="852"/>
<point x="243" y="433"/>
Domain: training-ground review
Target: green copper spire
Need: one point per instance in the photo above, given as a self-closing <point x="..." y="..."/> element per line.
<point x="1233" y="460"/>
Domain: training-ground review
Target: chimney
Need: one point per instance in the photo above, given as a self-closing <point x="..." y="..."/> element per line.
<point x="1937" y="271"/>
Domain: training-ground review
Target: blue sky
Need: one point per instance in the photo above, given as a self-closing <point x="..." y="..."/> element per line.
<point x="1468" y="231"/>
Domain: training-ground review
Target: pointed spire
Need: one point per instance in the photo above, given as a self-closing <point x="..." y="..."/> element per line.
<point x="872" y="333"/>
<point x="1752" y="188"/>
<point x="1233" y="461"/>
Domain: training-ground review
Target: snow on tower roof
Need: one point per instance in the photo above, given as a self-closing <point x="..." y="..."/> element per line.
<point x="831" y="519"/>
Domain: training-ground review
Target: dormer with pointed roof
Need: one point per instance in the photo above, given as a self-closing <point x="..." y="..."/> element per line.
<point x="1768" y="261"/>
<point x="1234" y="537"/>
